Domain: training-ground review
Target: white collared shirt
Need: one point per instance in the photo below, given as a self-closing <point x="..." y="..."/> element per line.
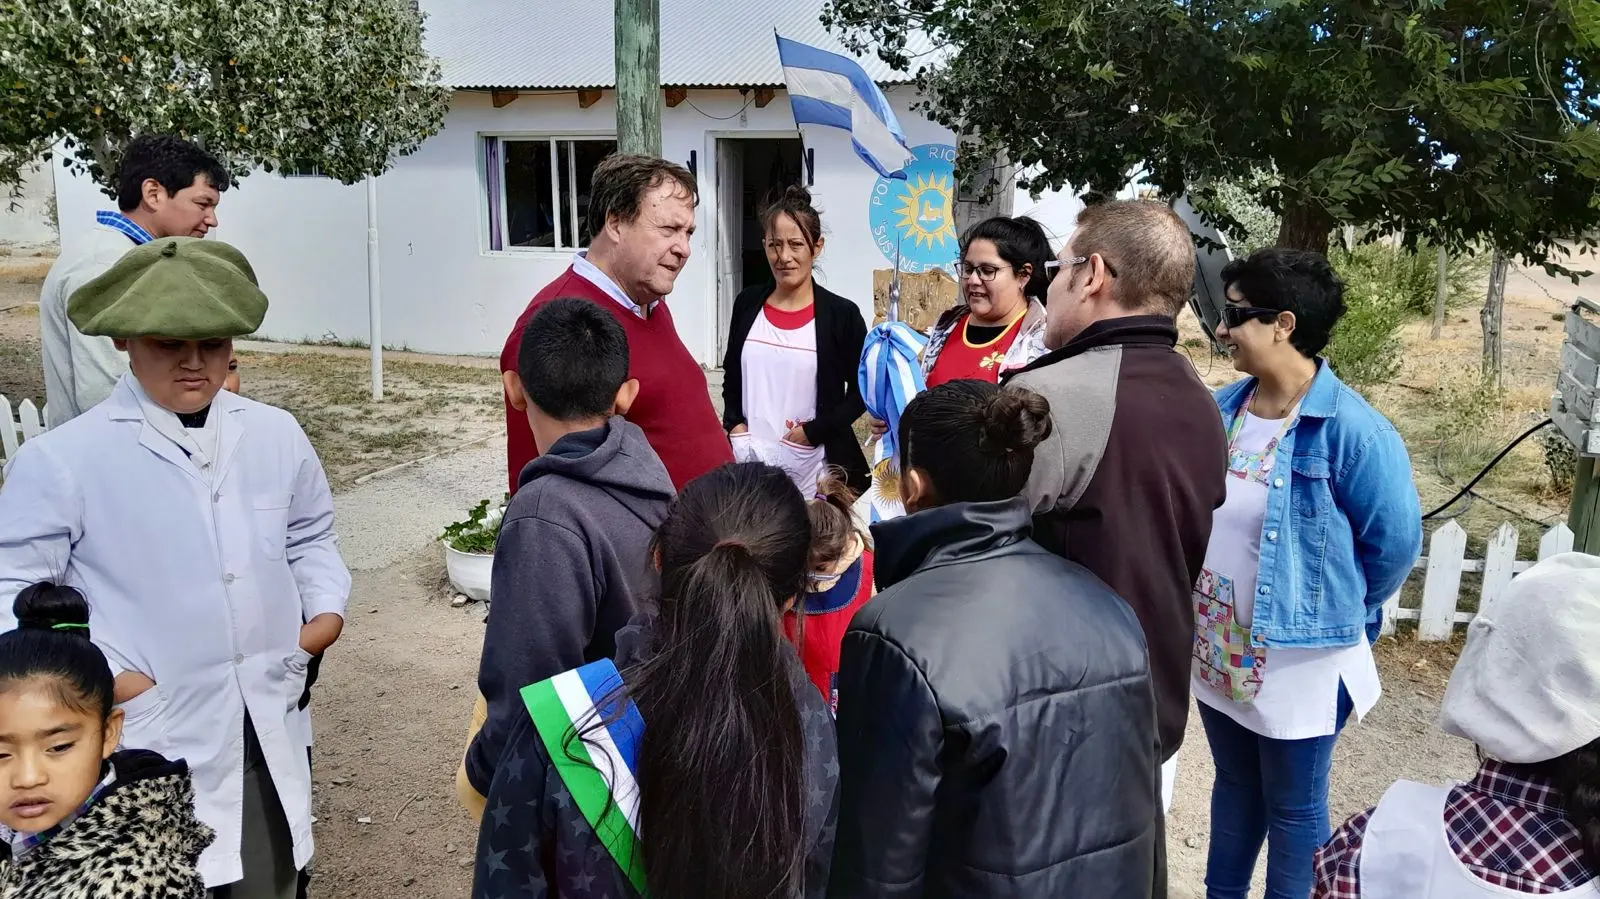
<point x="592" y="273"/>
<point x="199" y="444"/>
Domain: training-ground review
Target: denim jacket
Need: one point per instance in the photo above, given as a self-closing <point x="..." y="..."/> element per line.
<point x="1343" y="525"/>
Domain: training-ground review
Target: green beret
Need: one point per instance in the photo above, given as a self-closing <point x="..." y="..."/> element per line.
<point x="184" y="288"/>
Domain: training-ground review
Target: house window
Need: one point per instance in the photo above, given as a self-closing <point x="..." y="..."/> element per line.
<point x="538" y="190"/>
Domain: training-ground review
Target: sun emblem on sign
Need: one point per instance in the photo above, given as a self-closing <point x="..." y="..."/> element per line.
<point x="925" y="211"/>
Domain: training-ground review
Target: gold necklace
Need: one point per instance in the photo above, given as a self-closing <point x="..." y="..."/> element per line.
<point x="1297" y="396"/>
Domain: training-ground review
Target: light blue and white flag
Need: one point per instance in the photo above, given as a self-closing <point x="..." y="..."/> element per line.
<point x="834" y="91"/>
<point x="890" y="377"/>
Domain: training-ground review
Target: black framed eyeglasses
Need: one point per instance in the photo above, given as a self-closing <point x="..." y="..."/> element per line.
<point x="984" y="272"/>
<point x="1236" y="316"/>
<point x="1053" y="266"/>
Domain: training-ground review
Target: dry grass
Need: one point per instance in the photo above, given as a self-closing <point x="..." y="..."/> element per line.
<point x="426" y="406"/>
<point x="24" y="270"/>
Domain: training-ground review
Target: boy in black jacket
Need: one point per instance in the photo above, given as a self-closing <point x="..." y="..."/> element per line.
<point x="572" y="563"/>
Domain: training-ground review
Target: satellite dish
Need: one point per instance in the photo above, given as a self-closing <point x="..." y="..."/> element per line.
<point x="1208" y="295"/>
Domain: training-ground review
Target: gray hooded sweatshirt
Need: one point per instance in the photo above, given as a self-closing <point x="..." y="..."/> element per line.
<point x="571" y="568"/>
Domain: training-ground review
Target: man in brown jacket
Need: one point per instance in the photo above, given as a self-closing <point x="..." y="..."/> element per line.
<point x="1127" y="481"/>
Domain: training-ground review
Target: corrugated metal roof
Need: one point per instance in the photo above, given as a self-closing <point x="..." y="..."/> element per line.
<point x="568" y="44"/>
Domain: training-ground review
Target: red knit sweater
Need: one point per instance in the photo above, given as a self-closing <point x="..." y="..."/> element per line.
<point x="673" y="408"/>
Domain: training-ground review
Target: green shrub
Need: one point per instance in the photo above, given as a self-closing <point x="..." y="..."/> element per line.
<point x="1365" y="347"/>
<point x="1258" y="225"/>
<point x="1413" y="276"/>
<point x="1560" y="459"/>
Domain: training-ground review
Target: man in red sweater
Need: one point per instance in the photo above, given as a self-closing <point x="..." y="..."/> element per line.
<point x="641" y="213"/>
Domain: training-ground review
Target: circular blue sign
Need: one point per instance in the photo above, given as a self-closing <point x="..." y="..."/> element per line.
<point x="916" y="215"/>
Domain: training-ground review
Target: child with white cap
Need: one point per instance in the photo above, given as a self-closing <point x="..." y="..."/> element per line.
<point x="1526" y="690"/>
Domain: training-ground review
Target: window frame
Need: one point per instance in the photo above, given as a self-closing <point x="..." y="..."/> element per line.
<point x="565" y="224"/>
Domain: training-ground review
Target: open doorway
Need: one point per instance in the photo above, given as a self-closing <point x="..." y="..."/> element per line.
<point x="750" y="172"/>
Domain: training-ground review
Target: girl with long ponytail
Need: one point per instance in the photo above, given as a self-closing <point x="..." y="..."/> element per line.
<point x="696" y="765"/>
<point x="1526" y="690"/>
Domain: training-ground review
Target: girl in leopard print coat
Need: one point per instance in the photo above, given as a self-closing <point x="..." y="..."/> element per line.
<point x="77" y="819"/>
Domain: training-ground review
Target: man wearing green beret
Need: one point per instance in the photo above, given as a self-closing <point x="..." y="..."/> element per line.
<point x="200" y="526"/>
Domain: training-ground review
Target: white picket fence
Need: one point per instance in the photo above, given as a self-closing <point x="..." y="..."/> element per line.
<point x="1443" y="566"/>
<point x="25" y="424"/>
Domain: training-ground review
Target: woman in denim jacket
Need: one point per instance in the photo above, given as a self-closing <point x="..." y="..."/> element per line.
<point x="1320" y="526"/>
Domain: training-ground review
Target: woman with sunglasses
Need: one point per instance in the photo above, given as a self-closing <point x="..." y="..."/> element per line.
<point x="1320" y="526"/>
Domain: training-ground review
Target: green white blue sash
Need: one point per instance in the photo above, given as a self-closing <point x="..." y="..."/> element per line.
<point x="598" y="769"/>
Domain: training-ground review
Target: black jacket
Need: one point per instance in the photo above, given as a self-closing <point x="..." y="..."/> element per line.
<point x="535" y="842"/>
<point x="841" y="333"/>
<point x="997" y="729"/>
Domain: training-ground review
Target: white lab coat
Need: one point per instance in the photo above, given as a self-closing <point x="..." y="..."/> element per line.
<point x="203" y="590"/>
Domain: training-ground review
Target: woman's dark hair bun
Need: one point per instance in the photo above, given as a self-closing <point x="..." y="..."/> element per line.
<point x="796" y="193"/>
<point x="1014" y="419"/>
<point x="52" y="607"/>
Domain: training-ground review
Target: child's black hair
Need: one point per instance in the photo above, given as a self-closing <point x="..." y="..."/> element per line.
<point x="573" y="358"/>
<point x="51" y="642"/>
<point x="973" y="439"/>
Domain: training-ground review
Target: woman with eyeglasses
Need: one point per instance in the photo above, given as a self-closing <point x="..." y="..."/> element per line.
<point x="789" y="391"/>
<point x="1005" y="268"/>
<point x="999" y="324"/>
<point x="1320" y="527"/>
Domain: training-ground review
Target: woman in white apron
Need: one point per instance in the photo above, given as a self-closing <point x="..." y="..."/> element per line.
<point x="1526" y="690"/>
<point x="789" y="393"/>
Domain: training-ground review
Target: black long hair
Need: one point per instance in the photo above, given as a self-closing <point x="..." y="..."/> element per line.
<point x="721" y="762"/>
<point x="1576" y="776"/>
<point x="974" y="440"/>
<point x="1019" y="241"/>
<point x="51" y="643"/>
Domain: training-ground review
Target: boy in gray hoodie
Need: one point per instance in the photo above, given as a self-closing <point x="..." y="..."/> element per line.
<point x="572" y="564"/>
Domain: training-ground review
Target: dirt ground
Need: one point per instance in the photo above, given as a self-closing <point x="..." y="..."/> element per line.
<point x="392" y="705"/>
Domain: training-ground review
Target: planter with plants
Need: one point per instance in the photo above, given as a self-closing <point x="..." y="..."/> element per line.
<point x="469" y="548"/>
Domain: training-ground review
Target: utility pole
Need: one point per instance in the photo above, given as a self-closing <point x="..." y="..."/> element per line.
<point x="638" y="63"/>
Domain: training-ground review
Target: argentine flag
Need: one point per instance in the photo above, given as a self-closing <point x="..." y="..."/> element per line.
<point x="831" y="90"/>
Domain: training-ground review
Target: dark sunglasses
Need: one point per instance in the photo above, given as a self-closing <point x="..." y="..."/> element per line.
<point x="1236" y="316"/>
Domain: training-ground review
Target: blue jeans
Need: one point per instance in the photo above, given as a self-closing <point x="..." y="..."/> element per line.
<point x="1266" y="790"/>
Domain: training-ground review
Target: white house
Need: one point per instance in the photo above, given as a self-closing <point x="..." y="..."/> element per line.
<point x="490" y="209"/>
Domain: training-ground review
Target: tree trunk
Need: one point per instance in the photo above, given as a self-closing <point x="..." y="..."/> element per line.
<point x="1494" y="305"/>
<point x="1441" y="292"/>
<point x="1305" y="227"/>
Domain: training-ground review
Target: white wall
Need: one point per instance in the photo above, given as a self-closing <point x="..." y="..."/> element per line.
<point x="28" y="224"/>
<point x="442" y="291"/>
<point x="305" y="237"/>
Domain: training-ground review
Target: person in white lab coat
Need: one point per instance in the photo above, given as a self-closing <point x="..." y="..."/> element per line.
<point x="166" y="187"/>
<point x="200" y="525"/>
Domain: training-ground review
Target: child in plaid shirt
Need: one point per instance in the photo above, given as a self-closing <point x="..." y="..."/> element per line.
<point x="1527" y="691"/>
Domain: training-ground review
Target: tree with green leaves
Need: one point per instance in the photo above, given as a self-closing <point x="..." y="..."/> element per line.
<point x="1468" y="122"/>
<point x="342" y="85"/>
